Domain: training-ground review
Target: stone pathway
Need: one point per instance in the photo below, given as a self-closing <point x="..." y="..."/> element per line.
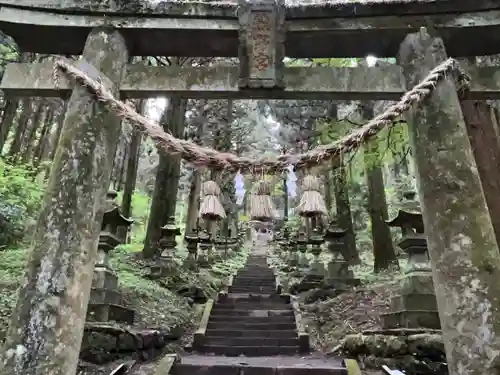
<point x="252" y="330"/>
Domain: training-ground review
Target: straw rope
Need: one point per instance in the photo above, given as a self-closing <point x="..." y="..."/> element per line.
<point x="204" y="156"/>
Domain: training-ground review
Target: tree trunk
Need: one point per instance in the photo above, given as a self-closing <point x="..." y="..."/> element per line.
<point x="9" y="114"/>
<point x="344" y="214"/>
<point x="167" y="178"/>
<point x="327" y="179"/>
<point x="29" y="140"/>
<point x="27" y="111"/>
<point x="131" y="175"/>
<point x="44" y="137"/>
<point x="193" y="201"/>
<point x="57" y="134"/>
<point x="123" y="162"/>
<point x="227" y="186"/>
<point x="383" y="249"/>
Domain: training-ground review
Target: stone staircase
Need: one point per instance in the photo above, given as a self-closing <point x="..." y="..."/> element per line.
<point x="252" y="320"/>
<point x="252" y="330"/>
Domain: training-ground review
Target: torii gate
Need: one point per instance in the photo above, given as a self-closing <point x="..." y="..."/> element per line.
<point x="47" y="324"/>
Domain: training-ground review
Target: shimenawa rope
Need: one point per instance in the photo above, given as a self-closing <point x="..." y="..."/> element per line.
<point x="204" y="156"/>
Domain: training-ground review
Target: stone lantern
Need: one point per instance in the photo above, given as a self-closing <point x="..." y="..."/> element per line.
<point x="232" y="244"/>
<point x="220" y="245"/>
<point x="303" y="261"/>
<point x="317" y="266"/>
<point x="415" y="306"/>
<point x="205" y="249"/>
<point x="192" y="241"/>
<point x="338" y="267"/>
<point x="167" y="244"/>
<point x="106" y="300"/>
<point x="292" y="252"/>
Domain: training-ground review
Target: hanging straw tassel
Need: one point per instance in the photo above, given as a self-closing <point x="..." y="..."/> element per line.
<point x="312" y="202"/>
<point x="261" y="204"/>
<point x="210" y="207"/>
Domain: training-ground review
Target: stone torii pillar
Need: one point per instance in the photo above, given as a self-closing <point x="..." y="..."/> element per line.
<point x="47" y="323"/>
<point x="462" y="245"/>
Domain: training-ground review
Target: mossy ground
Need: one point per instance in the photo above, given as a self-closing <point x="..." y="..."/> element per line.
<point x="156" y="302"/>
<point x="353" y="311"/>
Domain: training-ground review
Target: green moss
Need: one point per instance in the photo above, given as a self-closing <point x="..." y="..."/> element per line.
<point x="156" y="303"/>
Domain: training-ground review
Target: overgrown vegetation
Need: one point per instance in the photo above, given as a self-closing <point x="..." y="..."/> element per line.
<point x="158" y="303"/>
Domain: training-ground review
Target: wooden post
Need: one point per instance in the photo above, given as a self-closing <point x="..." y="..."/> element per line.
<point x="482" y="128"/>
<point x="462" y="244"/>
<point x="47" y="323"/>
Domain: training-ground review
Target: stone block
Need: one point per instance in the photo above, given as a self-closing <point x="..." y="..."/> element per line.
<point x="338" y="282"/>
<point x="417" y="283"/>
<point x="104" y="278"/>
<point x="411" y="302"/>
<point x="411" y="319"/>
<point x="103" y="296"/>
<point x="107" y="312"/>
<point x="339" y="269"/>
<point x="159" y="271"/>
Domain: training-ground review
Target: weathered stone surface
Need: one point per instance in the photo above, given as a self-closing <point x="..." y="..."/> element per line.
<point x="211" y="30"/>
<point x="262" y="48"/>
<point x="103" y="343"/>
<point x="462" y="246"/>
<point x="47" y="324"/>
<point x="373" y="83"/>
<point x="416" y="354"/>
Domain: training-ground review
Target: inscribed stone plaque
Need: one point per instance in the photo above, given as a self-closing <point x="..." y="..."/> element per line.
<point x="262" y="51"/>
<point x="261" y="39"/>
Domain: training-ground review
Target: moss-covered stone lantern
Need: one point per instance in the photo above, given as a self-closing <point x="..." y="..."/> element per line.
<point x="192" y="241"/>
<point x="415" y="306"/>
<point x="106" y="300"/>
<point x="338" y="267"/>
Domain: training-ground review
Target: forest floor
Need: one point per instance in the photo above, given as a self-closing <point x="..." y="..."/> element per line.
<point x="165" y="303"/>
<point x="351" y="312"/>
<point x="327" y="321"/>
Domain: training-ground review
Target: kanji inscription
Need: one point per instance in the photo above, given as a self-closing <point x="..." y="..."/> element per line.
<point x="262" y="52"/>
<point x="261" y="49"/>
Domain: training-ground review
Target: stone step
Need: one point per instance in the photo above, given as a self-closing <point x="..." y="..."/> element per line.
<point x="251" y="269"/>
<point x="252" y="290"/>
<point x="251" y="313"/>
<point x="239" y="325"/>
<point x="249" y="309"/>
<point x="284" y="365"/>
<point x="256" y="286"/>
<point x="251" y="319"/>
<point x="250" y="351"/>
<point x="255" y="279"/>
<point x="255" y="298"/>
<point x="252" y="278"/>
<point x="283" y="334"/>
<point x="251" y="341"/>
<point x="251" y="286"/>
<point x="262" y="289"/>
<point x="255" y="275"/>
<point x="223" y="308"/>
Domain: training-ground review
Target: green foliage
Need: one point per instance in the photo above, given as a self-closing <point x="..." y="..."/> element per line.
<point x="140" y="214"/>
<point x="20" y="199"/>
